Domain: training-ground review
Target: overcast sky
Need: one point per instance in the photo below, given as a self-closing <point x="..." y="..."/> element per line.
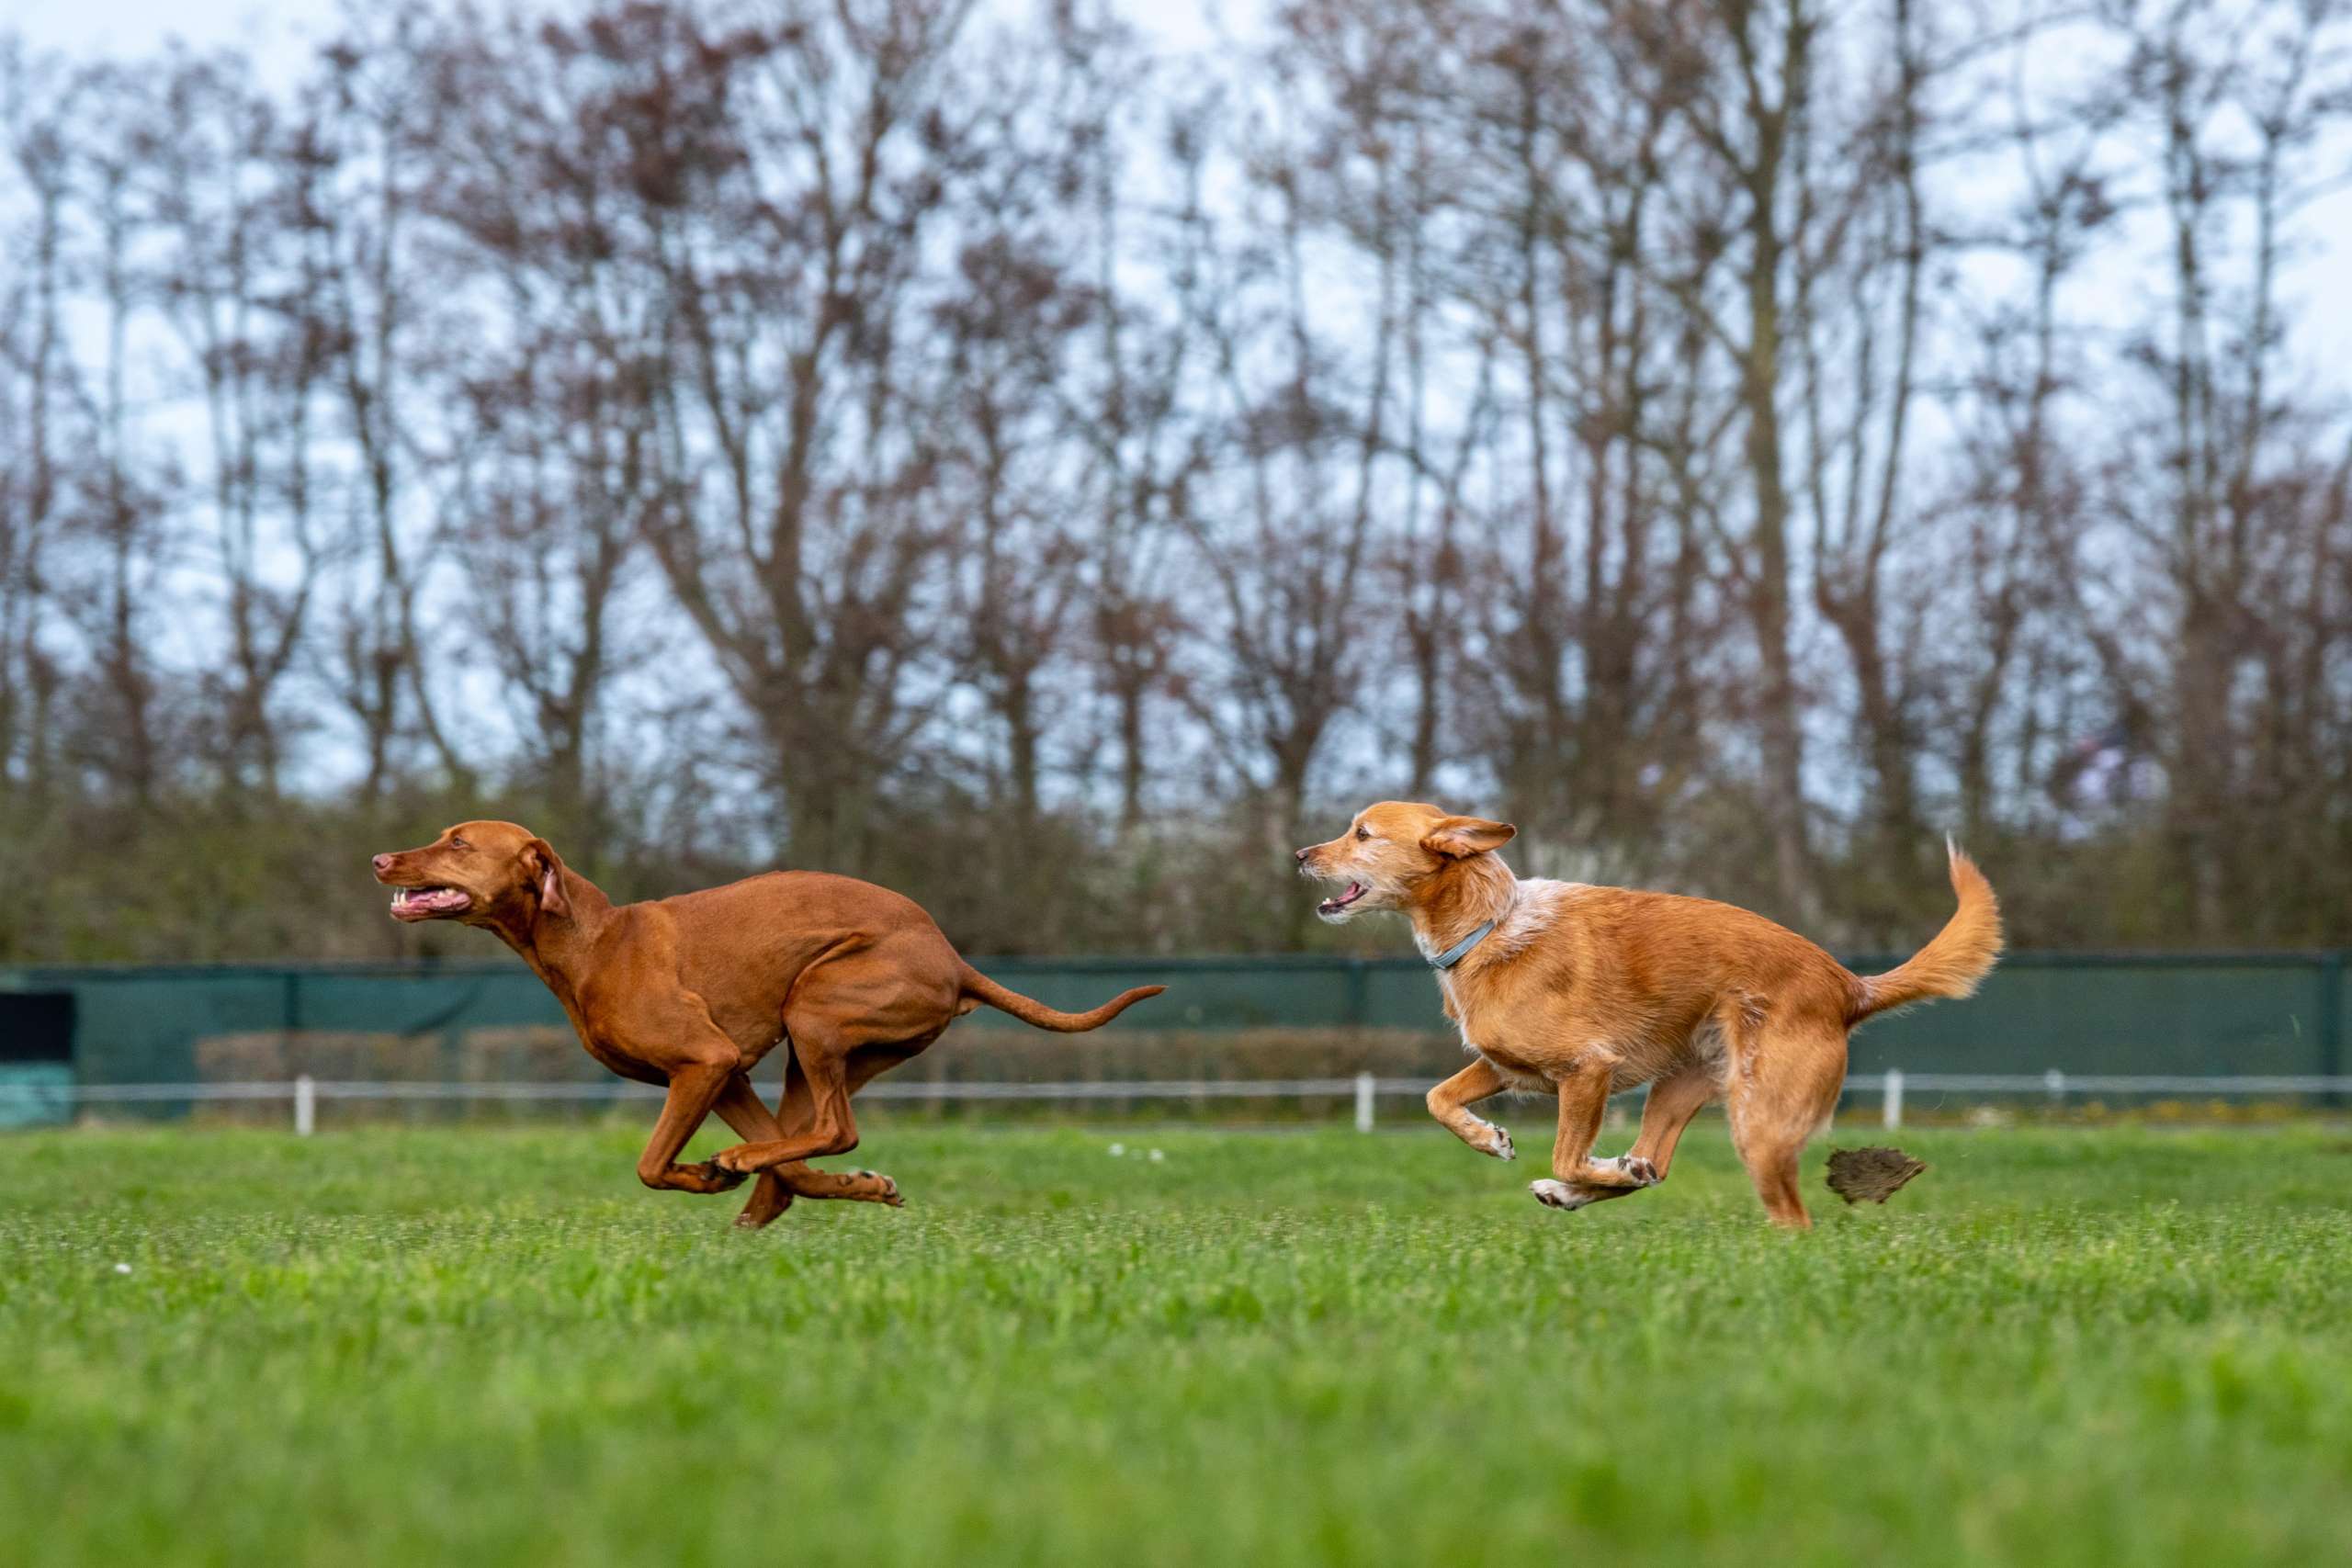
<point x="2122" y="280"/>
<point x="279" y="32"/>
<point x="279" y="35"/>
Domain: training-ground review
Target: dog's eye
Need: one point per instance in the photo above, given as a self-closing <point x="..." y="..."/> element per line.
<point x="460" y="844"/>
<point x="1363" y="833"/>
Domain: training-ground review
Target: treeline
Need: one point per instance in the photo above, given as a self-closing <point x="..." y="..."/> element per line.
<point x="1740" y="440"/>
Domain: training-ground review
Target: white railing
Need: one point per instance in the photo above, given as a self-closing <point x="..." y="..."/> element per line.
<point x="2056" y="1086"/>
<point x="305" y="1093"/>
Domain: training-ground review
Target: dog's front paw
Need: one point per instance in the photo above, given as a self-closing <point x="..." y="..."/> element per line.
<point x="889" y="1193"/>
<point x="1497" y="1143"/>
<point x="1558" y="1194"/>
<point x="716" y="1176"/>
<point x="741" y="1160"/>
<point x="1628" y="1170"/>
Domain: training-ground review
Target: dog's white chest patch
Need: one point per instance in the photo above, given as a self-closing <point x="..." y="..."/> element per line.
<point x="1536" y="903"/>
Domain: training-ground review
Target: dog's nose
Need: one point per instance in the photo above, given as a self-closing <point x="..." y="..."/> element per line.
<point x="1302" y="855"/>
<point x="382" y="864"/>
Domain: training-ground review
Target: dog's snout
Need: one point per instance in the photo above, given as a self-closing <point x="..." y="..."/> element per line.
<point x="382" y="864"/>
<point x="1301" y="855"/>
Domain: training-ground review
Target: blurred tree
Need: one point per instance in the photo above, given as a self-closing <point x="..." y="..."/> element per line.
<point x="1738" y="438"/>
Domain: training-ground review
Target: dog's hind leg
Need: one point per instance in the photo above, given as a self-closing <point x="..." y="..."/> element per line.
<point x="1785" y="1087"/>
<point x="847" y="1019"/>
<point x="1449" y="1102"/>
<point x="832" y="1065"/>
<point x="1584" y="1101"/>
<point x="1667" y="1110"/>
<point x="779" y="1184"/>
<point x="773" y="1192"/>
<point x="830" y="1129"/>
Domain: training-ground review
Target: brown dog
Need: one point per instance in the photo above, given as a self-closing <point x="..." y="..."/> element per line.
<point x="1578" y="992"/>
<point x="692" y="991"/>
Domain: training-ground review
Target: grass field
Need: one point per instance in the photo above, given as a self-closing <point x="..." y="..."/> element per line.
<point x="431" y="1346"/>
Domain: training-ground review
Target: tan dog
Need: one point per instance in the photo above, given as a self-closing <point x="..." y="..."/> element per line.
<point x="1578" y="992"/>
<point x="691" y="992"/>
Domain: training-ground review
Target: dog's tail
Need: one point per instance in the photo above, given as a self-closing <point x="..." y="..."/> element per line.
<point x="1028" y="1009"/>
<point x="1949" y="965"/>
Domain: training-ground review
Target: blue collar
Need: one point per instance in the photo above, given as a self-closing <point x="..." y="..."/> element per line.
<point x="1461" y="949"/>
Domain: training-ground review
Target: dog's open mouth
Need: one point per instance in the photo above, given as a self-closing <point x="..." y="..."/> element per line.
<point x="1333" y="906"/>
<point x="428" y="903"/>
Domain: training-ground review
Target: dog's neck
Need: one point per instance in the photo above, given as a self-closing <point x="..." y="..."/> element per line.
<point x="1459" y="899"/>
<point x="553" y="945"/>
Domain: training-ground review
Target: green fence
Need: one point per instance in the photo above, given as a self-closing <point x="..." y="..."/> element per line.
<point x="2250" y="1013"/>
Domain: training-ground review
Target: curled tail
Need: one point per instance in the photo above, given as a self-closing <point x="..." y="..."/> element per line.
<point x="1028" y="1009"/>
<point x="1954" y="961"/>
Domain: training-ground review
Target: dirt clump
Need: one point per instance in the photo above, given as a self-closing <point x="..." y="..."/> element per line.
<point x="1875" y="1174"/>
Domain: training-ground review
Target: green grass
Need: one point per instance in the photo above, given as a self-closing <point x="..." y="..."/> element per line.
<point x="427" y="1346"/>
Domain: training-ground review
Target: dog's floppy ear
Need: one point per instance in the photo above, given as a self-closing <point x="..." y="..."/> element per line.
<point x="1459" y="836"/>
<point x="549" y="871"/>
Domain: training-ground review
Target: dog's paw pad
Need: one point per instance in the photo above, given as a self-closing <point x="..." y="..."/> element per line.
<point x="1558" y="1194"/>
<point x="717" y="1172"/>
<point x="1626" y="1170"/>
